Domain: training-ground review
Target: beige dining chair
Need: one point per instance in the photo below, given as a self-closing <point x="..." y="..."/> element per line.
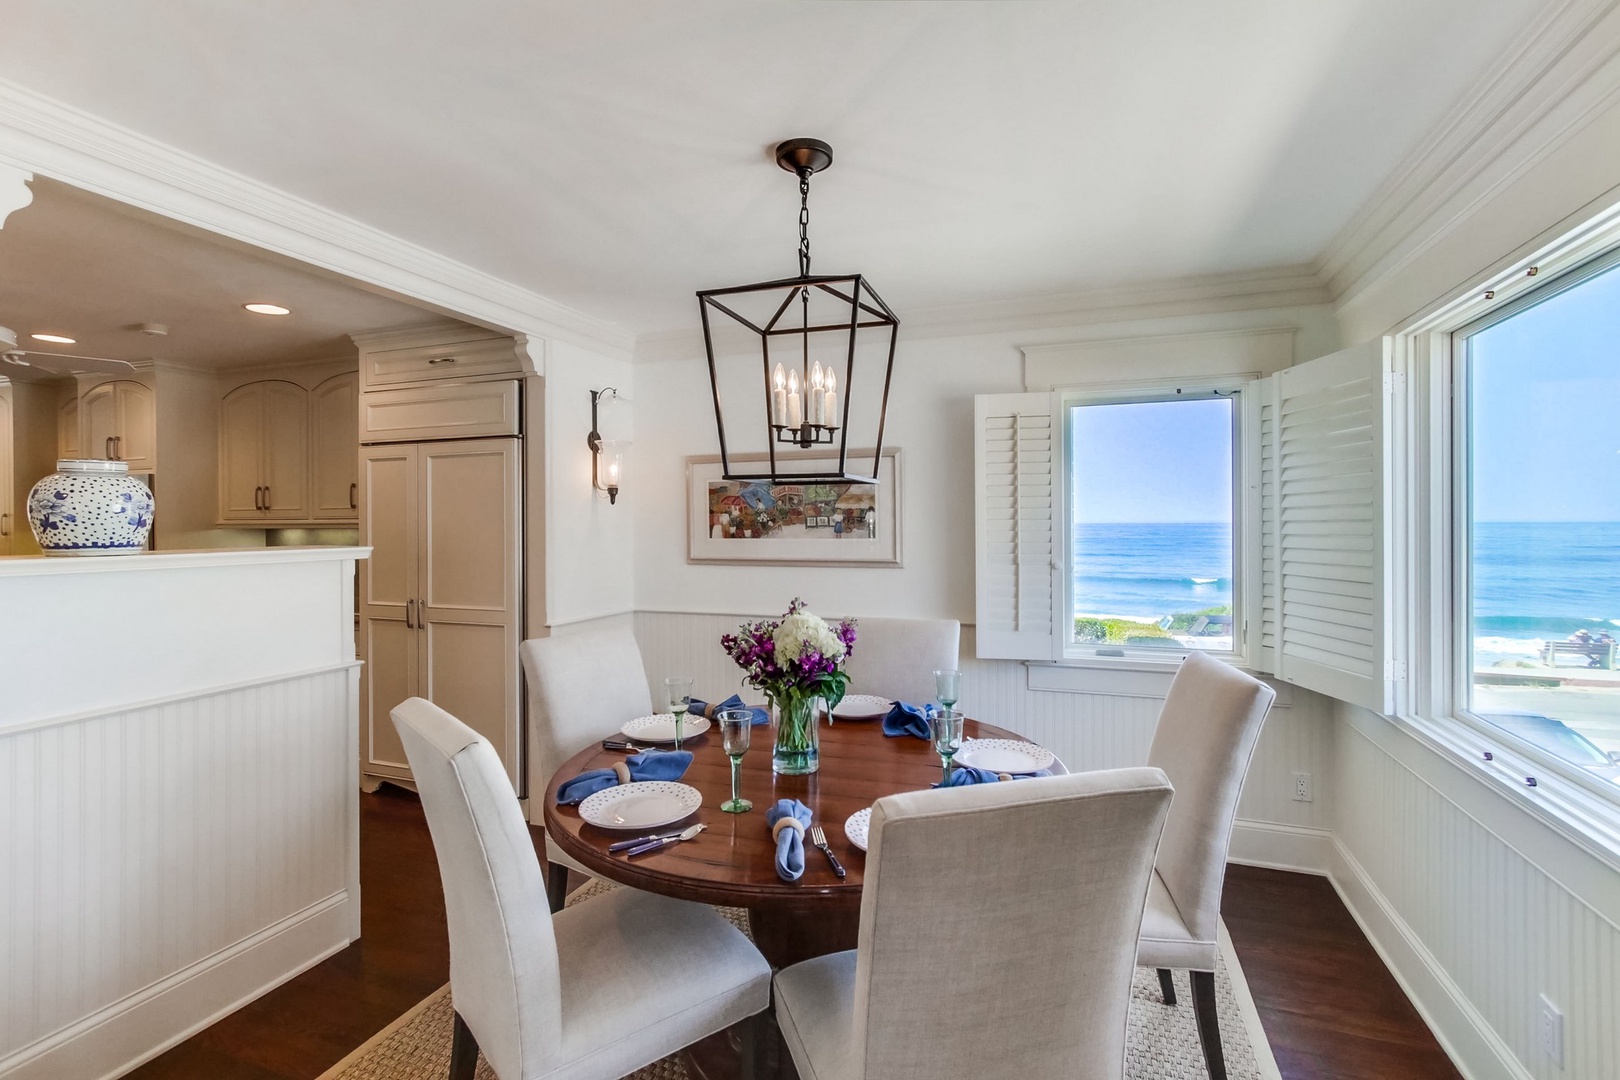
<point x="582" y="688"/>
<point x="1206" y="736"/>
<point x="980" y="954"/>
<point x="597" y="991"/>
<point x="897" y="658"/>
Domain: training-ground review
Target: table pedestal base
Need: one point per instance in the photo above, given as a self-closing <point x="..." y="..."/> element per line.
<point x="785" y="937"/>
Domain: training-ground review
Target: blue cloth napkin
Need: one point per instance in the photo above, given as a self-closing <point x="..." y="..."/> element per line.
<point x="651" y="765"/>
<point x="962" y="775"/>
<point x="906" y="719"/>
<point x="699" y="707"/>
<point x="789" y="841"/>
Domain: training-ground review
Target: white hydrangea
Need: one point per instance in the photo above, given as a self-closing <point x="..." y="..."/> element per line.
<point x="804" y="632"/>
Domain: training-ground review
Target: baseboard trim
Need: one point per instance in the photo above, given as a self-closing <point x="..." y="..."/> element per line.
<point x="1478" y="1052"/>
<point x="1281" y="847"/>
<point x="112" y="1041"/>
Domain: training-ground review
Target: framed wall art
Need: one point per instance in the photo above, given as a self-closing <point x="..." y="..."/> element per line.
<point x="731" y="521"/>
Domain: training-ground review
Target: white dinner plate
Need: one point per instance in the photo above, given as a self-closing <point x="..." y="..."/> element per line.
<point x="645" y="804"/>
<point x="862" y="707"/>
<point x="660" y="727"/>
<point x="1004" y="755"/>
<point x="857" y="825"/>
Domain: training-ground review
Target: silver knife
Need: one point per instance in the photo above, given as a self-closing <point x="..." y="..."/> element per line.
<point x="654" y="845"/>
<point x="623" y="845"/>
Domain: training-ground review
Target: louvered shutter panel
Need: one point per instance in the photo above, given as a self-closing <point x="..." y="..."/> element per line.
<point x="1264" y="612"/>
<point x="1330" y="631"/>
<point x="1016" y="466"/>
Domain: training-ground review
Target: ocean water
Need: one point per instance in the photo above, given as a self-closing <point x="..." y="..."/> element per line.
<point x="1533" y="581"/>
<point x="1541" y="581"/>
<point x="1151" y="570"/>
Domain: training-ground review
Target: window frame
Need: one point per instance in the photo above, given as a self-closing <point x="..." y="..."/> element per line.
<point x="1244" y="503"/>
<point x="1458" y="668"/>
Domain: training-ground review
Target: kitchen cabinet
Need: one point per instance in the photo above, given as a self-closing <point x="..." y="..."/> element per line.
<point x="8" y="502"/>
<point x="334" y="411"/>
<point x="264" y="472"/>
<point x="67" y="429"/>
<point x="440" y="596"/>
<point x="117" y="421"/>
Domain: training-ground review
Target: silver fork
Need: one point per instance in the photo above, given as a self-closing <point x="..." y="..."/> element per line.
<point x="819" y="839"/>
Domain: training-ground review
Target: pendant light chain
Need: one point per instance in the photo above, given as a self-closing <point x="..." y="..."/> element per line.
<point x="804" y="223"/>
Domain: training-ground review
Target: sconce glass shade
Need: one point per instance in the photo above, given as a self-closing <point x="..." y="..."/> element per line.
<point x="610" y="467"/>
<point x="810" y="330"/>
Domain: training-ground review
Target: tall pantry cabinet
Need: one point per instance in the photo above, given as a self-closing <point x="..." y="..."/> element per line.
<point x="442" y="495"/>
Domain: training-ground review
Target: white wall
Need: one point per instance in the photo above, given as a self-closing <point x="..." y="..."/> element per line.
<point x="682" y="608"/>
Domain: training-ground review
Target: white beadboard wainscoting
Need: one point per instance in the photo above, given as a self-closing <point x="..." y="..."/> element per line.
<point x="171" y="845"/>
<point x="1086" y="730"/>
<point x="1477" y="907"/>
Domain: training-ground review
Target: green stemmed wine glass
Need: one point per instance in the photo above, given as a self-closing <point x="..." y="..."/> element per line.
<point x="736" y="732"/>
<point x="947" y="681"/>
<point x="678" y="689"/>
<point x="946" y="726"/>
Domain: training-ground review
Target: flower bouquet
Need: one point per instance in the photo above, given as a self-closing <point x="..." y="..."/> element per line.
<point x="796" y="660"/>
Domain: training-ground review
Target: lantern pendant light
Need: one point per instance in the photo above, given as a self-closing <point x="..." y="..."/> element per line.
<point x="808" y="404"/>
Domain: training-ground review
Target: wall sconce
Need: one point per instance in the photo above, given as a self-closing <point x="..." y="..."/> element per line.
<point x="607" y="455"/>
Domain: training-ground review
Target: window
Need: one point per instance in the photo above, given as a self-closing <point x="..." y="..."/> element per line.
<point x="1150" y="545"/>
<point x="1538" y="397"/>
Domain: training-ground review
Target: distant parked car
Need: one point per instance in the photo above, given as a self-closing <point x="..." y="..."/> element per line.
<point x="1561" y="740"/>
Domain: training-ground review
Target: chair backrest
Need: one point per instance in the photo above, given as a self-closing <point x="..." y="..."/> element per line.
<point x="1206" y="735"/>
<point x="897" y="658"/>
<point x="503" y="958"/>
<point x="999" y="924"/>
<point x="582" y="688"/>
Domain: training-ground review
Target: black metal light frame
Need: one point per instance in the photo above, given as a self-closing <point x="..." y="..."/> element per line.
<point x="867" y="311"/>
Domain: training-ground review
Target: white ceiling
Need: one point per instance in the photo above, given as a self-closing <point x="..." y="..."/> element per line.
<point x="615" y="156"/>
<point x="75" y="264"/>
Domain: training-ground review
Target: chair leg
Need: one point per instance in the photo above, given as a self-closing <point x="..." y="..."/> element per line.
<point x="556" y="886"/>
<point x="1167" y="986"/>
<point x="1209" y="1028"/>
<point x="463" y="1052"/>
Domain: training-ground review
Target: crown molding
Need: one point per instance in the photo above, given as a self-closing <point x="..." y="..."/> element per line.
<point x="1240" y="290"/>
<point x="47" y="137"/>
<point x="1549" y="83"/>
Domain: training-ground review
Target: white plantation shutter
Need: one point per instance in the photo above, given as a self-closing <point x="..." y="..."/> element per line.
<point x="1326" y="531"/>
<point x="1266" y="615"/>
<point x="1017" y="459"/>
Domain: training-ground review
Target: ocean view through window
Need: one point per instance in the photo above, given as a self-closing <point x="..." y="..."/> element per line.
<point x="1151" y="514"/>
<point x="1542" y="542"/>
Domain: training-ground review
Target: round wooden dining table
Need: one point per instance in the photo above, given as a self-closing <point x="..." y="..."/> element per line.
<point x="733" y="861"/>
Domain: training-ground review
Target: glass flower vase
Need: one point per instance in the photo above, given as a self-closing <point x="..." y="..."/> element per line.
<point x="797" y="750"/>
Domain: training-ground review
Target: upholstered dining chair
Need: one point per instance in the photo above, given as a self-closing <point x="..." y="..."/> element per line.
<point x="599" y="990"/>
<point x="1206" y="736"/>
<point x="897" y="658"/>
<point x="582" y="688"/>
<point x="979" y="954"/>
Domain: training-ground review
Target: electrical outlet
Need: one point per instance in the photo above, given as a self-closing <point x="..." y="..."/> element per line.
<point x="1302" y="787"/>
<point x="1551" y="1024"/>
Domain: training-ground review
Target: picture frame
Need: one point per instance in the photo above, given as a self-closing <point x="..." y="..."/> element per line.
<point x="839" y="524"/>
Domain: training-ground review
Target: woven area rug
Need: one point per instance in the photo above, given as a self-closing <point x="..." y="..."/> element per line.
<point x="1163" y="1041"/>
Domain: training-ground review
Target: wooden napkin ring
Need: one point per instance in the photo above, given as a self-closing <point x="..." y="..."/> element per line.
<point x="622" y="771"/>
<point x="786" y="823"/>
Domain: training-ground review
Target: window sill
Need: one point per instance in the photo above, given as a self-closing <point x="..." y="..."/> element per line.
<point x="1129" y="676"/>
<point x="1587" y="819"/>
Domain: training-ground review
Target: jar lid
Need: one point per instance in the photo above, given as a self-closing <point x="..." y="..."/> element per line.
<point x="91" y="466"/>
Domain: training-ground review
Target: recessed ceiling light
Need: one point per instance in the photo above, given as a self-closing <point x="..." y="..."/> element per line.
<point x="268" y="309"/>
<point x="54" y="339"/>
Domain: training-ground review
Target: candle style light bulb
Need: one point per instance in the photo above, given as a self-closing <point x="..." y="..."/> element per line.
<point x="816" y="406"/>
<point x="779" y="398"/>
<point x="793" y="382"/>
<point x="829" y="400"/>
<point x="795" y="412"/>
<point x="780" y="381"/>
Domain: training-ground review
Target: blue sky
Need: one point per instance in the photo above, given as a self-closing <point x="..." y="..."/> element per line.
<point x="1154" y="462"/>
<point x="1546" y="418"/>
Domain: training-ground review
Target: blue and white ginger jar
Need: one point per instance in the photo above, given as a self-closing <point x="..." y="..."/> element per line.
<point x="90" y="508"/>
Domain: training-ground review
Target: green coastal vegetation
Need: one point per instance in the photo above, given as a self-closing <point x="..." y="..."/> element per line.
<point x="1131" y="632"/>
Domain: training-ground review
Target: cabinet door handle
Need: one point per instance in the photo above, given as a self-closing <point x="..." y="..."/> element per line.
<point x="109" y="454"/>
<point x="443" y="360"/>
<point x="258" y="498"/>
<point x="354" y="496"/>
<point x="409" y="625"/>
<point x="421" y="614"/>
<point x="267" y="496"/>
<point x="118" y="447"/>
<point x="5" y="524"/>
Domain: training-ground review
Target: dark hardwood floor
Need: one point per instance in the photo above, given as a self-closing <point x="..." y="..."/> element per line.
<point x="1330" y="1009"/>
